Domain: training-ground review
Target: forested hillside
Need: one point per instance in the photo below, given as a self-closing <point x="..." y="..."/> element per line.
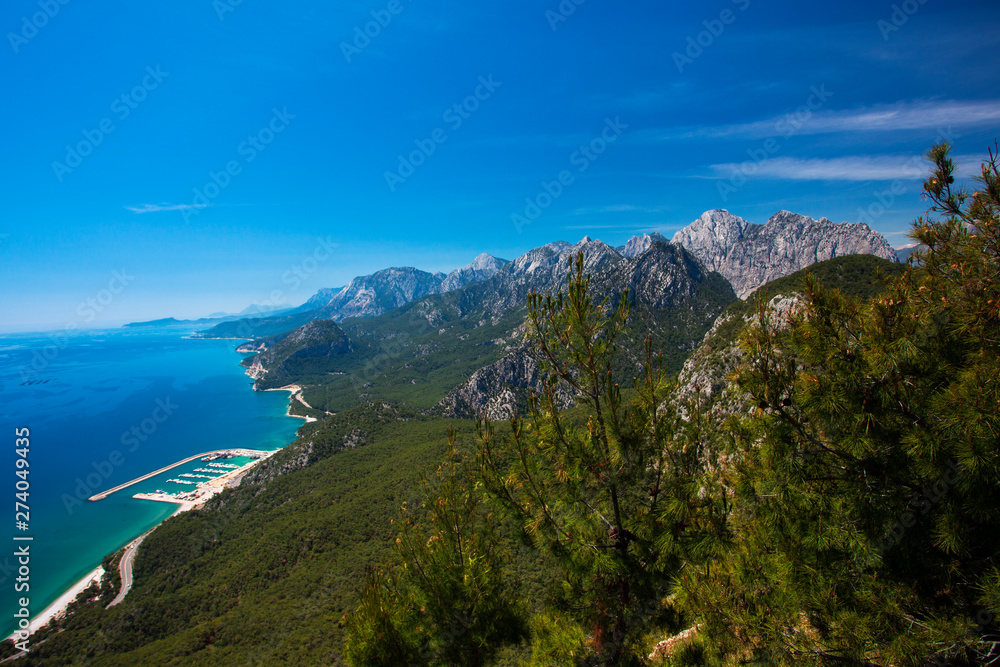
<point x="834" y="501"/>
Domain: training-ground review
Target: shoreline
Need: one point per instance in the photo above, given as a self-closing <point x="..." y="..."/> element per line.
<point x="295" y="394"/>
<point x="208" y="490"/>
<point x="58" y="608"/>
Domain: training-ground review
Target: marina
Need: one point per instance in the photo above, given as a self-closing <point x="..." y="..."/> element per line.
<point x="228" y="468"/>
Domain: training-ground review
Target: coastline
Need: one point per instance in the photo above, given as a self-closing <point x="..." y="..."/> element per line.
<point x="58" y="608"/>
<point x="208" y="490"/>
<point x="295" y="393"/>
<point x="56" y="599"/>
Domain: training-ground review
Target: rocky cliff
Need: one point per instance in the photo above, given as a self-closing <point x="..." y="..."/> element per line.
<point x="640" y="244"/>
<point x="673" y="297"/>
<point x="749" y="255"/>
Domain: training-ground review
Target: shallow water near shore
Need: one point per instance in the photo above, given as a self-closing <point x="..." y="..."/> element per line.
<point x="105" y="407"/>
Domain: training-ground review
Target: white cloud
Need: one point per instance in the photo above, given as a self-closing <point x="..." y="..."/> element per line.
<point x="851" y="168"/>
<point x="912" y="115"/>
<point x="157" y="208"/>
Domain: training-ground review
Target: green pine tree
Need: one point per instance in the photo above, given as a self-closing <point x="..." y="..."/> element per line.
<point x="597" y="494"/>
<point x="866" y="519"/>
<point x="444" y="600"/>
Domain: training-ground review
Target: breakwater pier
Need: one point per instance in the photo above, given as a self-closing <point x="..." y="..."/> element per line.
<point x="252" y="453"/>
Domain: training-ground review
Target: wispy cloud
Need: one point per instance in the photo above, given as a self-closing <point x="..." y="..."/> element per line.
<point x="158" y="208"/>
<point x="851" y="168"/>
<point x="620" y="208"/>
<point x="911" y="115"/>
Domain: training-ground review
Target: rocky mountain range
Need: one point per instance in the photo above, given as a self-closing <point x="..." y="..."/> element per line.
<point x="640" y="244"/>
<point x="367" y="296"/>
<point x="455" y="343"/>
<point x="364" y="296"/>
<point x="673" y="297"/>
<point x="749" y="255"/>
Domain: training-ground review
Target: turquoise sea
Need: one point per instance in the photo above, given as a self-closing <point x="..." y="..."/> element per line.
<point x="105" y="407"/>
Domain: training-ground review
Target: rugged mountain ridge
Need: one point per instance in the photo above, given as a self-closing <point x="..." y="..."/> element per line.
<point x="276" y="365"/>
<point x="368" y="296"/>
<point x="749" y="255"/>
<point x="671" y="293"/>
<point x="364" y="296"/>
<point x="462" y="351"/>
<point x="640" y="244"/>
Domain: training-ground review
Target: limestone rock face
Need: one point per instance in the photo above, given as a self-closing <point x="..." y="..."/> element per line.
<point x="499" y="390"/>
<point x="663" y="278"/>
<point x="749" y="255"/>
<point x="542" y="270"/>
<point x="707" y="371"/>
<point x="483" y="267"/>
<point x="640" y="244"/>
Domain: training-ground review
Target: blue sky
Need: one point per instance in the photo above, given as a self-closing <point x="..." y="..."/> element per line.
<point x="217" y="154"/>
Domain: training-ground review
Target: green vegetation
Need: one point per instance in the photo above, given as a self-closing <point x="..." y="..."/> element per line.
<point x="867" y="505"/>
<point x="850" y="515"/>
<point x="413" y="355"/>
<point x="854" y="516"/>
<point x="447" y="600"/>
<point x="287" y="357"/>
<point x="598" y="500"/>
<point x="860" y="276"/>
<point x="264" y="574"/>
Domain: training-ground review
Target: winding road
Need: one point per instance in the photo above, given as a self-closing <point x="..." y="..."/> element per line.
<point x="125" y="568"/>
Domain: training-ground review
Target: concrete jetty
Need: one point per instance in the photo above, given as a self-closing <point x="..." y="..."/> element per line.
<point x="252" y="453"/>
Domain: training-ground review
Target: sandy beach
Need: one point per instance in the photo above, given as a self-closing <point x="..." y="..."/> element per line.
<point x="58" y="608"/>
<point x="296" y="395"/>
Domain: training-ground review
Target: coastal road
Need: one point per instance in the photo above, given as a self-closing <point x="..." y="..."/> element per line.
<point x="125" y="569"/>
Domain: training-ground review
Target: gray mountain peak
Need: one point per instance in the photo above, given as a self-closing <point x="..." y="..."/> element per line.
<point x="640" y="244"/>
<point x="483" y="267"/>
<point x="749" y="255"/>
